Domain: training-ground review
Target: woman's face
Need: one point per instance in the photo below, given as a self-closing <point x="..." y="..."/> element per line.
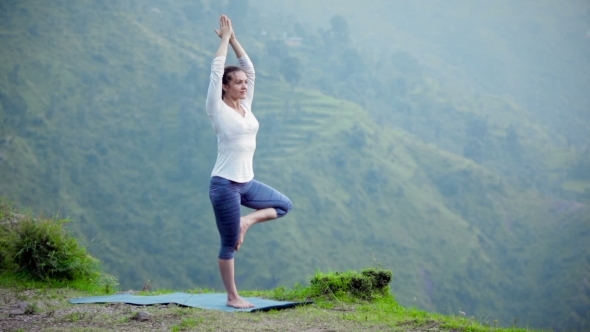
<point x="237" y="88"/>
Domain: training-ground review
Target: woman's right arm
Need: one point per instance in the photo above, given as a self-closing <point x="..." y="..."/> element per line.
<point x="225" y="32"/>
<point x="215" y="84"/>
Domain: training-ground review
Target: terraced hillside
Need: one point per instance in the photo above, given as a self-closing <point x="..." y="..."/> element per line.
<point x="102" y="120"/>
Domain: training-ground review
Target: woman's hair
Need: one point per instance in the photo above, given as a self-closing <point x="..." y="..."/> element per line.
<point x="228" y="76"/>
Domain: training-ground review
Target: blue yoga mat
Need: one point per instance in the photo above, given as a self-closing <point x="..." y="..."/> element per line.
<point x="214" y="301"/>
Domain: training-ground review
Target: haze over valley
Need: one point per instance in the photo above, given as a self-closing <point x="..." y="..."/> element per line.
<point x="446" y="141"/>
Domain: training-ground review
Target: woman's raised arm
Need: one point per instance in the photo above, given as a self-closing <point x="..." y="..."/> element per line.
<point x="226" y="33"/>
<point x="215" y="84"/>
<point x="246" y="65"/>
<point x="238" y="49"/>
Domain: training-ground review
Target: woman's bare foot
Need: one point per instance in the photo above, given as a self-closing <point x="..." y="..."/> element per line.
<point x="239" y="303"/>
<point x="253" y="218"/>
<point x="244" y="225"/>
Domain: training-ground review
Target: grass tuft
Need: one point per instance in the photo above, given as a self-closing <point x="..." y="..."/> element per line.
<point x="42" y="250"/>
<point x="369" y="284"/>
<point x="352" y="286"/>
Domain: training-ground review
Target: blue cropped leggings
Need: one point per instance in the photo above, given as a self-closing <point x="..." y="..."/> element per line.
<point x="227" y="196"/>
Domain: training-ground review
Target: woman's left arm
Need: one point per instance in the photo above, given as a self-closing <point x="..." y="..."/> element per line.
<point x="247" y="67"/>
<point x="238" y="49"/>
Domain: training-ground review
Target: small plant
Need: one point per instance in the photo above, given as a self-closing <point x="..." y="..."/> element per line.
<point x="109" y="282"/>
<point x="366" y="285"/>
<point x="147" y="286"/>
<point x="32" y="308"/>
<point x="73" y="317"/>
<point x="42" y="249"/>
<point x="380" y="278"/>
<point x="8" y="220"/>
<point x="179" y="311"/>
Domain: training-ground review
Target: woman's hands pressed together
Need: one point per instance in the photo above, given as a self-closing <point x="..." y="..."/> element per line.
<point x="228" y="36"/>
<point x="225" y="28"/>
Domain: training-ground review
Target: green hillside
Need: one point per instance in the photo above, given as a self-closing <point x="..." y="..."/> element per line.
<point x="102" y="119"/>
<point x="535" y="53"/>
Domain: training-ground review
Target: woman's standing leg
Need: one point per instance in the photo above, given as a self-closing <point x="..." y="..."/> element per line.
<point x="268" y="203"/>
<point x="225" y="198"/>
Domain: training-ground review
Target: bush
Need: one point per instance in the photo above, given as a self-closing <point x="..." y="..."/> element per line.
<point x="42" y="249"/>
<point x="366" y="285"/>
<point x="4" y="243"/>
<point x="7" y="234"/>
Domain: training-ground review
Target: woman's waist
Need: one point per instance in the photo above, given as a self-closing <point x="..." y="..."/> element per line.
<point x="237" y="145"/>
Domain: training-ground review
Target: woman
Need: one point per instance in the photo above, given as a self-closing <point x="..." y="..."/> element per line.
<point x="229" y="102"/>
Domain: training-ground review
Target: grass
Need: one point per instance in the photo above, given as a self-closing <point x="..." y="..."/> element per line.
<point x="343" y="301"/>
<point x="329" y="312"/>
<point x="370" y="306"/>
<point x="44" y="265"/>
<point x="188" y="324"/>
<point x="41" y="253"/>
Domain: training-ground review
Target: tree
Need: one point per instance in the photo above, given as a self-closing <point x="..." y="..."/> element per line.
<point x="340" y="33"/>
<point x="406" y="64"/>
<point x="276" y="48"/>
<point x="290" y="69"/>
<point x="299" y="30"/>
<point x="477" y="128"/>
<point x="410" y="70"/>
<point x="512" y="143"/>
<point x="351" y="62"/>
<point x="473" y="150"/>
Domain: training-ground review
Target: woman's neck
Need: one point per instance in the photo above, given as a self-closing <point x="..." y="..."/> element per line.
<point x="233" y="103"/>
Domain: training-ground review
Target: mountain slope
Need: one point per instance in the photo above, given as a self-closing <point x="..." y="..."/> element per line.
<point x="533" y="53"/>
<point x="102" y="119"/>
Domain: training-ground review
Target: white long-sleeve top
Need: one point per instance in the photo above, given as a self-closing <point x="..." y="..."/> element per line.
<point x="236" y="135"/>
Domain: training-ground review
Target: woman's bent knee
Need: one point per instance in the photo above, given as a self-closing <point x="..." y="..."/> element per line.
<point x="284" y="208"/>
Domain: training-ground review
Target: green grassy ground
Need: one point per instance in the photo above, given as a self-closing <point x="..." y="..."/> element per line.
<point x="49" y="310"/>
<point x="35" y="297"/>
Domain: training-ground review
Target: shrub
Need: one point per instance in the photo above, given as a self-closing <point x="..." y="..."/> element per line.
<point x="6" y="237"/>
<point x="42" y="249"/>
<point x="7" y="234"/>
<point x="380" y="278"/>
<point x="366" y="285"/>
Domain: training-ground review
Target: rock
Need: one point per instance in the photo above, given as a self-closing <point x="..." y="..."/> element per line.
<point x="20" y="306"/>
<point x="142" y="316"/>
<point x="16" y="312"/>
